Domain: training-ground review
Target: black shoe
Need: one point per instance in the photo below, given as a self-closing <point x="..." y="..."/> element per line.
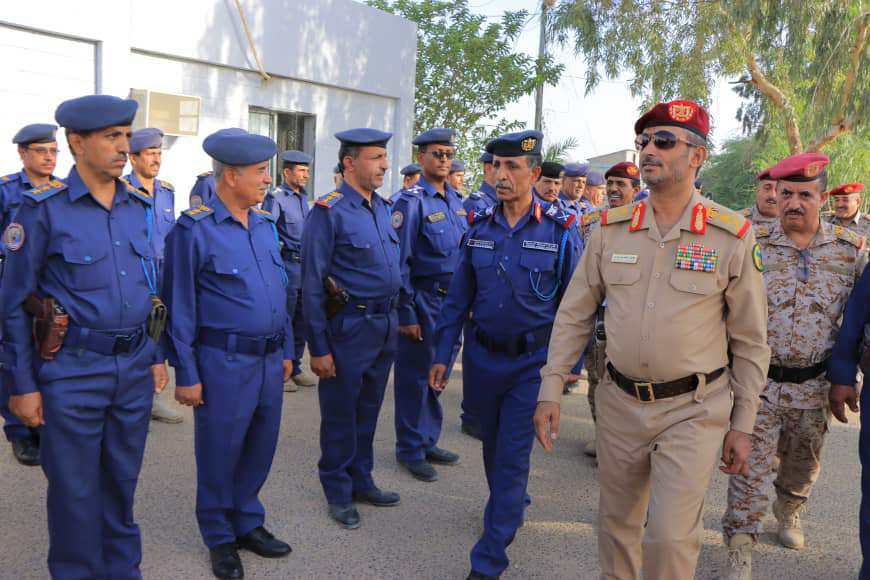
<point x="441" y="456"/>
<point x="263" y="543"/>
<point x="26" y="451"/>
<point x="478" y="576"/>
<point x="225" y="561"/>
<point x="421" y="470"/>
<point x="376" y="497"/>
<point x="346" y="516"/>
<point x="472" y="430"/>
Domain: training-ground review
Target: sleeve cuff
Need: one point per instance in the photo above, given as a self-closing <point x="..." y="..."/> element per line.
<point x="743" y="417"/>
<point x="551" y="389"/>
<point x="318" y="345"/>
<point x="407" y="316"/>
<point x="841" y="376"/>
<point x="186" y="376"/>
<point x="21" y="387"/>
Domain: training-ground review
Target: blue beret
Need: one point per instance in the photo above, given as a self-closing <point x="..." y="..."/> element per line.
<point x="95" y="112"/>
<point x="576" y="169"/>
<point x="516" y="144"/>
<point x="457" y="165"/>
<point x="238" y="148"/>
<point x="36" y="133"/>
<point x="411" y="169"/>
<point x="594" y="178"/>
<point x="485" y="157"/>
<point x="438" y="136"/>
<point x="364" y="136"/>
<point x="296" y="157"/>
<point x="148" y="138"/>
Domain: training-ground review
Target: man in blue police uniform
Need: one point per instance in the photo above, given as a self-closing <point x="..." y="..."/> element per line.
<point x="410" y="176"/>
<point x="430" y="224"/>
<point x="851" y="349"/>
<point x="289" y="205"/>
<point x="146" y="157"/>
<point x="231" y="343"/>
<point x="457" y="175"/>
<point x="37" y="148"/>
<point x="350" y="285"/>
<point x="549" y="184"/>
<point x="516" y="261"/>
<point x="573" y="184"/>
<point x="593" y="194"/>
<point x="80" y="250"/>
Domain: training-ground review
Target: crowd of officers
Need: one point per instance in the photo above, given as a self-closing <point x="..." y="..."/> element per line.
<point x="708" y="335"/>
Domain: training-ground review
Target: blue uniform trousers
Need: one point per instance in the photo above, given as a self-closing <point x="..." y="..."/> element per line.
<point x="505" y="390"/>
<point x="364" y="348"/>
<point x="864" y="453"/>
<point x="96" y="409"/>
<point x="294" y="307"/>
<point x="418" y="413"/>
<point x="235" y="436"/>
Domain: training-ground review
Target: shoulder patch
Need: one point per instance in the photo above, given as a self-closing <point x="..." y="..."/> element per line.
<point x="848" y="235"/>
<point x="728" y="220"/>
<point x="762" y="231"/>
<point x="167" y="185"/>
<point x="199" y="212"/>
<point x="475" y="216"/>
<point x="46" y="191"/>
<point x="560" y="215"/>
<point x="138" y="193"/>
<point x="259" y="211"/>
<point x="616" y="215"/>
<point x="330" y="199"/>
<point x="205" y="174"/>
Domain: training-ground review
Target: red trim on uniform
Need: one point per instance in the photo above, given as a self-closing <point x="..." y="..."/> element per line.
<point x="470" y="216"/>
<point x="637" y="217"/>
<point x="570" y="221"/>
<point x="603" y="217"/>
<point x="699" y="219"/>
<point x="746" y="225"/>
<point x="536" y="211"/>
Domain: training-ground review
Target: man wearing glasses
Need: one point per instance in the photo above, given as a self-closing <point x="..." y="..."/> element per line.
<point x="810" y="268"/>
<point x="683" y="290"/>
<point x="37" y="147"/>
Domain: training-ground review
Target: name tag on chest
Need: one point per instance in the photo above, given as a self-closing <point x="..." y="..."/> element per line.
<point x="436" y="217"/>
<point x="543" y="246"/>
<point x="485" y="244"/>
<point x="623" y="259"/>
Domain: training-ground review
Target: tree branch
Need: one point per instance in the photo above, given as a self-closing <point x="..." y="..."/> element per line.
<point x="848" y="85"/>
<point x="838" y="128"/>
<point x="772" y="92"/>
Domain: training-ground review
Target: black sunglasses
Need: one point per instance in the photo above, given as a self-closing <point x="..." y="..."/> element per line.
<point x="661" y="139"/>
<point x="442" y="155"/>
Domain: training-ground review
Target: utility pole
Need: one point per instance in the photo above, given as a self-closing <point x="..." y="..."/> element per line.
<point x="546" y="5"/>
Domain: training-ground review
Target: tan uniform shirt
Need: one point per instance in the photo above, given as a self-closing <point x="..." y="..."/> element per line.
<point x="860" y="223"/>
<point x="804" y="315"/>
<point x="756" y="218"/>
<point x="664" y="319"/>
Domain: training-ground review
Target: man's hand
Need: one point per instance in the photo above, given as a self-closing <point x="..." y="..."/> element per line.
<point x="288" y="369"/>
<point x="735" y="453"/>
<point x="436" y="377"/>
<point x="841" y="395"/>
<point x="160" y="374"/>
<point x="28" y="408"/>
<point x="323" y="366"/>
<point x="190" y="396"/>
<point x="547" y="423"/>
<point x="411" y="332"/>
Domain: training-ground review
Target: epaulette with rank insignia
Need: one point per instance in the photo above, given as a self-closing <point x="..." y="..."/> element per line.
<point x="267" y="214"/>
<point x="479" y="216"/>
<point x="762" y="231"/>
<point x="850" y="236"/>
<point x="590" y="218"/>
<point x="728" y="220"/>
<point x="9" y="177"/>
<point x="43" y="192"/>
<point x="330" y="199"/>
<point x="746" y="212"/>
<point x="204" y="174"/>
<point x="476" y="195"/>
<point x="197" y="213"/>
<point x="615" y="215"/>
<point x="167" y="185"/>
<point x="138" y="193"/>
<point x="564" y="218"/>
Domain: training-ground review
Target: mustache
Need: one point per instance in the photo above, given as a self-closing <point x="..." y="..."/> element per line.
<point x="650" y="160"/>
<point x="795" y="212"/>
<point x="120" y="157"/>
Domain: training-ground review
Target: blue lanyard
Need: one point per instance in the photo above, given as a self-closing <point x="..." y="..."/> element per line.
<point x="150" y="276"/>
<point x="547" y="296"/>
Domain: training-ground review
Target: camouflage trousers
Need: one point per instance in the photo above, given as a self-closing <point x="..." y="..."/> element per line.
<point x="595" y="369"/>
<point x="794" y="439"/>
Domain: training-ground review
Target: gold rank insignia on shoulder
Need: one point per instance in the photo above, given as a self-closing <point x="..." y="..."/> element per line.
<point x="728" y="220"/>
<point x="201" y="208"/>
<point x="590" y="218"/>
<point x="436" y="217"/>
<point x="616" y="214"/>
<point x="330" y="199"/>
<point x="850" y="236"/>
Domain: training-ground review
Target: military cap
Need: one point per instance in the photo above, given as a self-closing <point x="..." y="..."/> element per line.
<point x="411" y="169"/>
<point x="485" y="157"/>
<point x="93" y="112"/>
<point x="438" y="136"/>
<point x="626" y="170"/>
<point x="296" y="157"/>
<point x="552" y="169"/>
<point x="576" y="169"/>
<point x="36" y="133"/>
<point x="148" y="138"/>
<point x="765" y="175"/>
<point x="686" y="114"/>
<point x="516" y="144"/>
<point x="457" y="165"/>
<point x="238" y="148"/>
<point x="848" y="188"/>
<point x="364" y="136"/>
<point x="800" y="167"/>
<point x="594" y="178"/>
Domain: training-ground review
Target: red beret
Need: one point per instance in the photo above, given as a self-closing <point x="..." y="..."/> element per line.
<point x="685" y="114"/>
<point x="848" y="188"/>
<point x="765" y="175"/>
<point x="626" y="169"/>
<point x="800" y="167"/>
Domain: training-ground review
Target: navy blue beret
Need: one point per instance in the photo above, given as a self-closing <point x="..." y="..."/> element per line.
<point x="485" y="157"/>
<point x="576" y="169"/>
<point x="148" y="138"/>
<point x="296" y="157"/>
<point x="552" y="169"/>
<point x="93" y="112"/>
<point x="457" y="165"/>
<point x="439" y="136"/>
<point x="364" y="136"/>
<point x="594" y="178"/>
<point x="238" y="148"/>
<point x="36" y="133"/>
<point x="411" y="169"/>
<point x="516" y="144"/>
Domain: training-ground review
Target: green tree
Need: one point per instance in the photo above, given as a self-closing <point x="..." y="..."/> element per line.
<point x="558" y="150"/>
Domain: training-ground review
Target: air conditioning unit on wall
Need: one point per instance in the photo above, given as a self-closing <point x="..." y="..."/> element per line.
<point x="173" y="114"/>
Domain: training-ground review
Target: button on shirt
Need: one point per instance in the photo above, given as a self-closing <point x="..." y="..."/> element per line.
<point x="430" y="226"/>
<point x="856" y="318"/>
<point x="87" y="257"/>
<point x="222" y="276"/>
<point x="12" y="187"/>
<point x="164" y="211"/>
<point x="290" y="208"/>
<point x="354" y="242"/>
<point x="483" y="198"/>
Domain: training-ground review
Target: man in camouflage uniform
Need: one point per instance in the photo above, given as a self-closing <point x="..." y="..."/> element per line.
<point x="765" y="211"/>
<point x="810" y="268"/>
<point x="846" y="200"/>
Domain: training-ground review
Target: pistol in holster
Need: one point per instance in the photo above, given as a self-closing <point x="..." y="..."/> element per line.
<point x="157" y="318"/>
<point x="600" y="334"/>
<point x="336" y="297"/>
<point x="50" y="324"/>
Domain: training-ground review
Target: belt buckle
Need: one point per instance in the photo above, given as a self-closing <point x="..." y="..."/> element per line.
<point x="442" y="291"/>
<point x="362" y="307"/>
<point x="649" y="389"/>
<point x="123" y="343"/>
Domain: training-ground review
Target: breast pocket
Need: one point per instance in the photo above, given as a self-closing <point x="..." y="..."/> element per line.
<point x="85" y="266"/>
<point x="364" y="249"/>
<point x="442" y="237"/>
<point x="229" y="273"/>
<point x="700" y="283"/>
<point x="537" y="271"/>
<point x="484" y="263"/>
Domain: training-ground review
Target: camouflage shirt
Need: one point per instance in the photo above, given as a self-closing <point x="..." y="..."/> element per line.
<point x="860" y="223"/>
<point x="803" y="316"/>
<point x="756" y="218"/>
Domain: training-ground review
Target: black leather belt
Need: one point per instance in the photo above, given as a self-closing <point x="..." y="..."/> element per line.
<point x="514" y="345"/>
<point x="376" y="306"/>
<point x="647" y="392"/>
<point x="108" y="342"/>
<point x="290" y="255"/>
<point x="433" y="284"/>
<point x="796" y="375"/>
<point x="255" y="345"/>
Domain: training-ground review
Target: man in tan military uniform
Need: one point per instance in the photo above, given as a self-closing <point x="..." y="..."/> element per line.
<point x="810" y="269"/>
<point x="682" y="289"/>
<point x="765" y="211"/>
<point x="847" y="209"/>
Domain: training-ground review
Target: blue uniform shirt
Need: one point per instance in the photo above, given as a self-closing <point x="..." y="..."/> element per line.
<point x="203" y="190"/>
<point x="223" y="277"/>
<point x="164" y="210"/>
<point x="845" y="355"/>
<point x="575" y="207"/>
<point x="12" y="187"/>
<point x="353" y="241"/>
<point x="430" y="227"/>
<point x="88" y="258"/>
<point x="289" y="208"/>
<point x="481" y="199"/>
<point x="497" y="269"/>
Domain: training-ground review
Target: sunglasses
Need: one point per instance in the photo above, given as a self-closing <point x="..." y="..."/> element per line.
<point x="442" y="155"/>
<point x="661" y="139"/>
